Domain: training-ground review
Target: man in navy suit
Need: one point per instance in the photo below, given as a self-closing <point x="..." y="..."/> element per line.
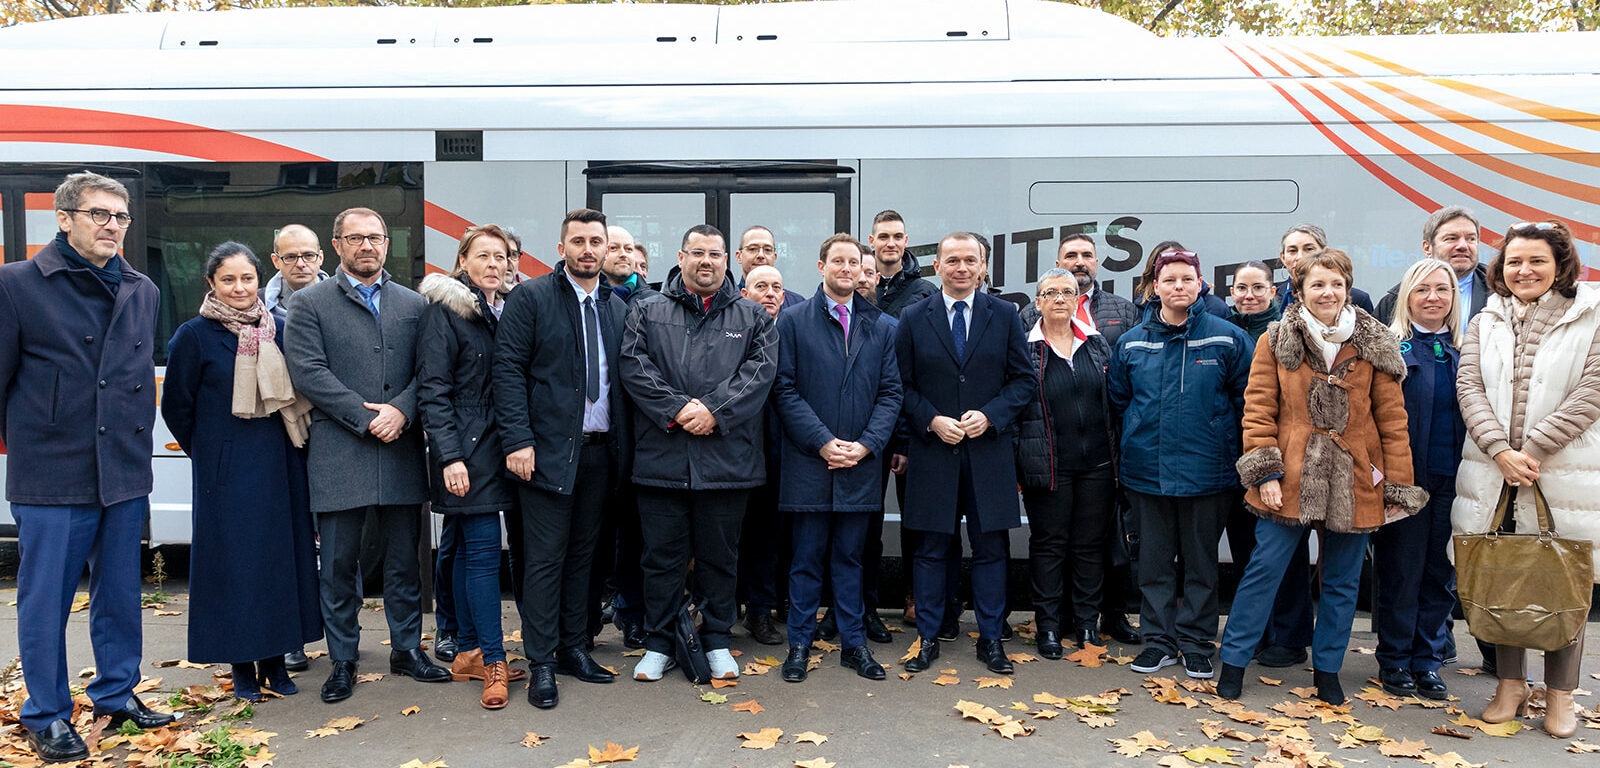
<point x="964" y="369"/>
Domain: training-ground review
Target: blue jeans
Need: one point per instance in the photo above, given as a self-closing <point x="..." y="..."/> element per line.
<point x="55" y="543"/>
<point x="477" y="583"/>
<point x="1341" y="555"/>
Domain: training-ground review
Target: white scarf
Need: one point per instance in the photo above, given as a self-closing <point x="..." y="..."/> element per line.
<point x="1331" y="338"/>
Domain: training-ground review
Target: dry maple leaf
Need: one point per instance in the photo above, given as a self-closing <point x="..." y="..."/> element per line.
<point x="1269" y="681"/>
<point x="1051" y="699"/>
<point x="613" y="753"/>
<point x="1173" y="761"/>
<point x="1448" y="760"/>
<point x="824" y="646"/>
<point x="815" y="762"/>
<point x="1011" y="728"/>
<point x="1018" y="706"/>
<point x="975" y="711"/>
<point x="1377" y="697"/>
<point x="769" y="660"/>
<point x="1469" y="671"/>
<point x="1445" y="730"/>
<point x="1140" y="743"/>
<point x="371" y="677"/>
<point x="1365" y="733"/>
<point x="749" y="706"/>
<point x="766" y="738"/>
<point x="911" y="652"/>
<point x="713" y="698"/>
<point x="753" y="668"/>
<point x="1304" y="692"/>
<point x="947" y="671"/>
<point x="811" y="737"/>
<point x="1090" y="655"/>
<point x="578" y="763"/>
<point x="718" y="682"/>
<point x="1022" y="658"/>
<point x="168" y="613"/>
<point x="1297" y="709"/>
<point x="906" y="675"/>
<point x="1503" y="730"/>
<point x="1403" y="748"/>
<point x="1580" y="746"/>
<point x="1097" y="721"/>
<point x="531" y="740"/>
<point x="1220" y="755"/>
<point x="1044" y="714"/>
<point x="419" y="764"/>
<point x="409" y="711"/>
<point x="994" y="682"/>
<point x="947" y="680"/>
<point x="337" y="725"/>
<point x="635" y="652"/>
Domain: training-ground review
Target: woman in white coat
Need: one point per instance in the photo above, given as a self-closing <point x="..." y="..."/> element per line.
<point x="1530" y="395"/>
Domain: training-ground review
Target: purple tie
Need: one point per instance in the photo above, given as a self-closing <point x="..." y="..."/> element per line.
<point x="844" y="320"/>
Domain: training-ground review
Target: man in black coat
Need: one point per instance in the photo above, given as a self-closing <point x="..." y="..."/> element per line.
<point x="561" y="408"/>
<point x="1450" y="234"/>
<point x="698" y="361"/>
<point x="964" y="366"/>
<point x="77" y="401"/>
<point x="900" y="282"/>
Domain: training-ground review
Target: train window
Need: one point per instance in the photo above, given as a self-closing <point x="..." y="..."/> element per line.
<point x="799" y="221"/>
<point x="658" y="221"/>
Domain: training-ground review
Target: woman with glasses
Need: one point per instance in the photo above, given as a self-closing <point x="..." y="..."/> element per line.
<point x="455" y="360"/>
<point x="228" y="400"/>
<point x="1410" y="557"/>
<point x="1066" y="458"/>
<point x="1254" y="304"/>
<point x="1325" y="446"/>
<point x="1530" y="395"/>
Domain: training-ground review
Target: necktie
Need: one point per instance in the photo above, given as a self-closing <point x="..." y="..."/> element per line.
<point x="591" y="333"/>
<point x="958" y="329"/>
<point x="844" y="320"/>
<point x="367" y="293"/>
<point x="1084" y="317"/>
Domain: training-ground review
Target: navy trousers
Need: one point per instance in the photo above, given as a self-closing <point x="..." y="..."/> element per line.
<point x="1291" y="622"/>
<point x="55" y="543"/>
<point x="1413" y="598"/>
<point x="760" y="547"/>
<point x="827" y="544"/>
<point x="627" y="577"/>
<point x="1341" y="556"/>
<point x="476" y="578"/>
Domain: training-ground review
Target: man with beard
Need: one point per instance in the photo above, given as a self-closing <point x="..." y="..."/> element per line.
<point x="562" y="415"/>
<point x="699" y="362"/>
<point x="298" y="260"/>
<point x="1450" y="235"/>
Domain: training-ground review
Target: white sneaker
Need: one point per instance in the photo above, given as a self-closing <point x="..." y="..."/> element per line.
<point x="723" y="667"/>
<point x="652" y="666"/>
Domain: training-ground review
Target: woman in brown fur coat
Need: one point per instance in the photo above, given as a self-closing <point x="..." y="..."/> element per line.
<point x="1325" y="445"/>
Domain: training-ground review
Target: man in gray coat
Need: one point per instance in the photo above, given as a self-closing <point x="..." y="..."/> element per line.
<point x="351" y="344"/>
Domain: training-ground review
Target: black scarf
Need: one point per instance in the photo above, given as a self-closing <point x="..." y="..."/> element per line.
<point x="110" y="274"/>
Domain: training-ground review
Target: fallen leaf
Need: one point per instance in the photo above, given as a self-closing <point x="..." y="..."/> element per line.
<point x="1445" y="730"/>
<point x="613" y="753"/>
<point x="531" y="740"/>
<point x="1120" y="659"/>
<point x="713" y="698"/>
<point x="1221" y="755"/>
<point x="637" y="652"/>
<point x="1198" y="686"/>
<point x="1580" y="746"/>
<point x="316" y="654"/>
<point x="1270" y="681"/>
<point x="1051" y="699"/>
<point x="514" y="637"/>
<point x="815" y="662"/>
<point x="972" y="710"/>
<point x="912" y="651"/>
<point x="409" y="711"/>
<point x="371" y="677"/>
<point x="766" y="738"/>
<point x="1097" y="721"/>
<point x="994" y="682"/>
<point x="1018" y="706"/>
<point x="748" y="706"/>
<point x="1448" y="760"/>
<point x="578" y="763"/>
<point x="769" y="660"/>
<point x="815" y="762"/>
<point x="753" y="668"/>
<point x="1377" y="697"/>
<point x="168" y="613"/>
<point x="1011" y="728"/>
<point x="1363" y="651"/>
<point x="824" y="646"/>
<point x="338" y="725"/>
<point x="1469" y="671"/>
<point x="1305" y="692"/>
<point x="906" y="675"/>
<point x="80" y="602"/>
<point x="1367" y="733"/>
<point x="1022" y="658"/>
<point x="1504" y="730"/>
<point x="1173" y="761"/>
<point x="810" y="737"/>
<point x="166" y="663"/>
<point x="1404" y="748"/>
<point x="414" y="763"/>
<point x="1044" y="714"/>
<point x="947" y="672"/>
<point x="720" y="683"/>
<point x="1296" y="709"/>
<point x="947" y="680"/>
<point x="1090" y="655"/>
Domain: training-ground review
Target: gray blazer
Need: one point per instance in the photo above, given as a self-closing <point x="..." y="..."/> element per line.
<point x="339" y="357"/>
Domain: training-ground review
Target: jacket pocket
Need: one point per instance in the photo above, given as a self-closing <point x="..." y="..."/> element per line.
<point x="55" y="397"/>
<point x="224" y="461"/>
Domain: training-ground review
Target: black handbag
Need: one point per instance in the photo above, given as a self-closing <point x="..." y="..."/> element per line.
<point x="686" y="647"/>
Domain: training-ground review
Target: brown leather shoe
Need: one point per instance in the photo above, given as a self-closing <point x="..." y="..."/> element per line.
<point x="1560" y="714"/>
<point x="495" y="693"/>
<point x="468" y="665"/>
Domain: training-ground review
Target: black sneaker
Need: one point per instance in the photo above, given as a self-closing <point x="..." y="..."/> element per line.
<point x="1151" y="660"/>
<point x="1197" y="666"/>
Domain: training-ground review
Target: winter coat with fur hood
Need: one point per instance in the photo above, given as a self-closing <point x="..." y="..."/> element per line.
<point x="1338" y="439"/>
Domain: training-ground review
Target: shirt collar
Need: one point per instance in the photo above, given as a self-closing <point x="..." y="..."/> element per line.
<point x="950" y="302"/>
<point x="831" y="304"/>
<point x="578" y="289"/>
<point x="383" y="277"/>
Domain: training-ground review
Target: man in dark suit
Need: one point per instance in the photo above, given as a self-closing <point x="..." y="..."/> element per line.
<point x="559" y="399"/>
<point x="1450" y="234"/>
<point x="964" y="367"/>
<point x="77" y="401"/>
<point x="351" y="346"/>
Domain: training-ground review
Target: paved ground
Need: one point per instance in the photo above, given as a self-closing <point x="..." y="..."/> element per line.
<point x="897" y="722"/>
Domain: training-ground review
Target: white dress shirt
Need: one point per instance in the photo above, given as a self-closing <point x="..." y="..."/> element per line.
<point x="596" y="414"/>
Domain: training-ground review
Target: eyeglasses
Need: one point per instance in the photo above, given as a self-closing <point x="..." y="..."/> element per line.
<point x="753" y="248"/>
<point x="355" y="241"/>
<point x="1252" y="290"/>
<point x="101" y="216"/>
<point x="299" y="258"/>
<point x="701" y="253"/>
<point x="1521" y="226"/>
<point x="1055" y="294"/>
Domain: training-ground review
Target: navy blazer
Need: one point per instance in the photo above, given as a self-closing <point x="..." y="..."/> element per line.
<point x="1419" y="391"/>
<point x="995" y="378"/>
<point x="826" y="391"/>
<point x="77" y="393"/>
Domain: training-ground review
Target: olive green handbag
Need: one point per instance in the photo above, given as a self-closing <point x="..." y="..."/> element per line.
<point x="1528" y="590"/>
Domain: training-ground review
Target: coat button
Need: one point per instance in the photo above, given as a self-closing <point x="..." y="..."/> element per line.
<point x="102" y="383"/>
<point x="386" y="387"/>
<point x="955" y="451"/>
<point x="88" y="339"/>
<point x="377" y="349"/>
<point x="138" y="387"/>
<point x="962" y="378"/>
<point x="101" y="430"/>
<point x="138" y="345"/>
<point x="138" y="430"/>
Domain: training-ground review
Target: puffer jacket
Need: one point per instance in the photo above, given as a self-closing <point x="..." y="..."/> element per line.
<point x="1534" y="388"/>
<point x="455" y="396"/>
<point x="1333" y="435"/>
<point x="1036" y="439"/>
<point x="675" y="350"/>
<point x="905" y="288"/>
<point x="1178" y="393"/>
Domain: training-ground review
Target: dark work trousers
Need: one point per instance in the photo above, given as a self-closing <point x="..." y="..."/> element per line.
<point x="827" y="545"/>
<point x="559" y="532"/>
<point x="477" y="583"/>
<point x="931" y="583"/>
<point x="760" y="540"/>
<point x="1067" y="529"/>
<point x="1413" y="597"/>
<point x="444" y="581"/>
<point x="683" y="524"/>
<point x="515" y="543"/>
<point x="1291" y="624"/>
<point x="872" y="554"/>
<point x="1121" y="586"/>
<point x="602" y="574"/>
<point x="627" y="577"/>
<point x="55" y="543"/>
<point x="397" y="535"/>
<point x="1178" y="537"/>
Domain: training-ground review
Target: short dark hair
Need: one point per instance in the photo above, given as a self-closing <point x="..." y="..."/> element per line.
<point x="1070" y="236"/>
<point x="887" y="214"/>
<point x="1327" y="258"/>
<point x="1244" y="265"/>
<point x="983" y="244"/>
<point x="835" y="239"/>
<point x="700" y="229"/>
<point x="1443" y="216"/>
<point x="582" y="216"/>
<point x="1560" y="240"/>
<point x="338" y="221"/>
<point x="228" y="250"/>
<point x="938" y="250"/>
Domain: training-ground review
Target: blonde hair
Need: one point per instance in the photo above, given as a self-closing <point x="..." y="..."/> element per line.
<point x="1401" y="324"/>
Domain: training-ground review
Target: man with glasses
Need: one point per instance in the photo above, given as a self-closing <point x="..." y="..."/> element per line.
<point x="298" y="259"/>
<point x="757" y="248"/>
<point x="698" y="361"/>
<point x="77" y="403"/>
<point x="351" y="347"/>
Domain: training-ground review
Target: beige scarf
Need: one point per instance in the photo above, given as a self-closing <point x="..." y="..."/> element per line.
<point x="261" y="385"/>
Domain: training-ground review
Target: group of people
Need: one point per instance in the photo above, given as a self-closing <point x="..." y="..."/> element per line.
<point x="720" y="441"/>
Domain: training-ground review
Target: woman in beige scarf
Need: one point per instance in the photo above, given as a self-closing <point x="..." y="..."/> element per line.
<point x="228" y="401"/>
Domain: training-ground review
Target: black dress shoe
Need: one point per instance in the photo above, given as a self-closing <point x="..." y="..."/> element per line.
<point x="57" y="743"/>
<point x="134" y="711"/>
<point x="993" y="654"/>
<point x="1397" y="681"/>
<point x="827" y="626"/>
<point x="415" y="665"/>
<point x="296" y="661"/>
<point x="1050" y="644"/>
<point x="1431" y="686"/>
<point x="1007" y="632"/>
<point x="1116" y="627"/>
<point x="950" y="627"/>
<point x="341" y="682"/>
<point x="795" y="667"/>
<point x="633" y="635"/>
<point x="925" y="657"/>
<point x="860" y="659"/>
<point x="762" y="628"/>
<point x="1085" y="637"/>
<point x="877" y="631"/>
<point x="542" y="686"/>
<point x="445" y="646"/>
<point x="578" y="663"/>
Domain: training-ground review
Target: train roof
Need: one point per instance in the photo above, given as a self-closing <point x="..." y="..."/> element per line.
<point x="820" y="41"/>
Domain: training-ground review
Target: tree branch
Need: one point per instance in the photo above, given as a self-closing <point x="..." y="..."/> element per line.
<point x="1171" y="4"/>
